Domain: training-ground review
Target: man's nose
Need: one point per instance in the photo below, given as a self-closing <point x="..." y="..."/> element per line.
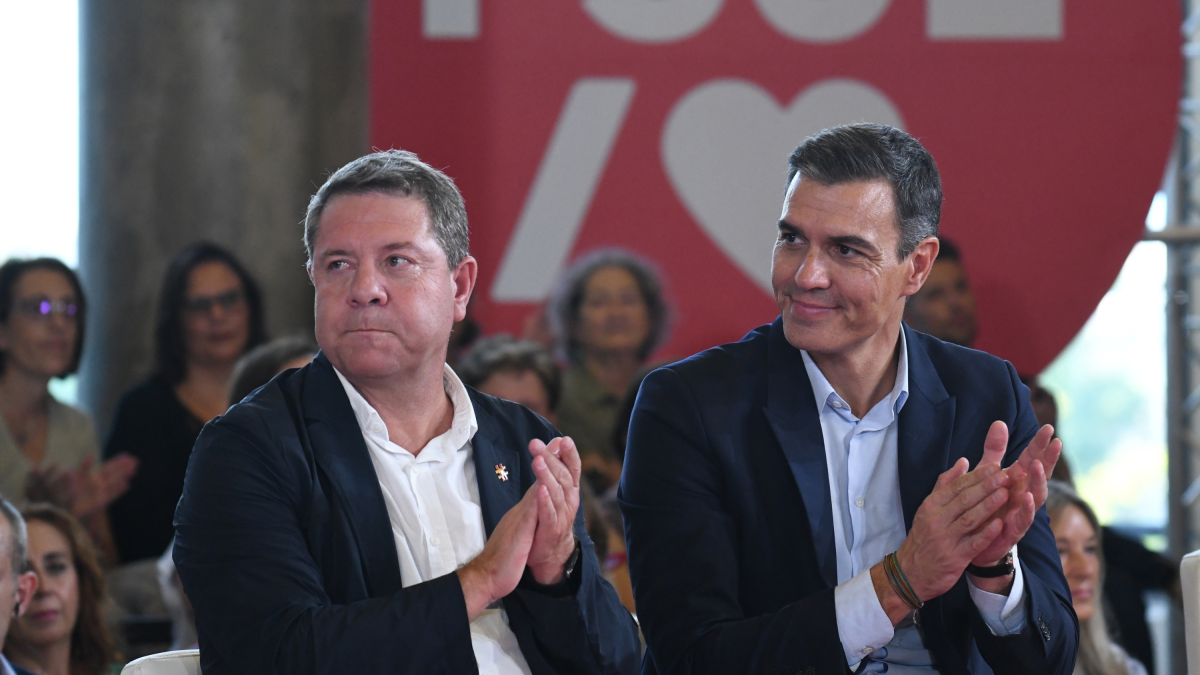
<point x="367" y="287"/>
<point x="812" y="273"/>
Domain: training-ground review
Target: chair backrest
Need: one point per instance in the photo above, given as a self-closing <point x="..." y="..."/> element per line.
<point x="1189" y="580"/>
<point x="183" y="662"/>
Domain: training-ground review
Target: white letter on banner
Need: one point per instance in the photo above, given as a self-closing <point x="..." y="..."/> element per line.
<point x="822" y="20"/>
<point x="653" y="20"/>
<point x="563" y="188"/>
<point x="450" y="19"/>
<point x="994" y="19"/>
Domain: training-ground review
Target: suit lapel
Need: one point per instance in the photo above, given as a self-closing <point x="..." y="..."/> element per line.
<point x="792" y="412"/>
<point x="340" y="451"/>
<point x="492" y="459"/>
<point x="925" y="429"/>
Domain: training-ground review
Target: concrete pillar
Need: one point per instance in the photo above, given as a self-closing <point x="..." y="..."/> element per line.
<point x="213" y="121"/>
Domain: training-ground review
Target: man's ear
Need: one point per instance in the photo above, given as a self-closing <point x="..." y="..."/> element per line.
<point x="921" y="260"/>
<point x="26" y="586"/>
<point x="463" y="276"/>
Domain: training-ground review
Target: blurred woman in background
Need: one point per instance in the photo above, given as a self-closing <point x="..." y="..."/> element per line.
<point x="609" y="315"/>
<point x="1077" y="534"/>
<point x="48" y="449"/>
<point x="209" y="314"/>
<point x="63" y="630"/>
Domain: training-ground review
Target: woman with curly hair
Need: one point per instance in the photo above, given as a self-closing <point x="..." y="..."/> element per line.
<point x="63" y="631"/>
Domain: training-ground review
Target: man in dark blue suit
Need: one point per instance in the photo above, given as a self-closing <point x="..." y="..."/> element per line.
<point x="368" y="513"/>
<point x="828" y="494"/>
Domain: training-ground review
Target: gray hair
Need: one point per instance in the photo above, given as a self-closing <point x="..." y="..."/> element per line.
<point x="871" y="152"/>
<point x="568" y="298"/>
<point x="20" y="538"/>
<point x="401" y="173"/>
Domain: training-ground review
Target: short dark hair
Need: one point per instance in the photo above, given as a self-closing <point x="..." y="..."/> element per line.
<point x="170" y="348"/>
<point x="397" y="172"/>
<point x="871" y="152"/>
<point x="10" y="275"/>
<point x="498" y="353"/>
<point x="259" y="365"/>
<point x="568" y="298"/>
<point x="947" y="251"/>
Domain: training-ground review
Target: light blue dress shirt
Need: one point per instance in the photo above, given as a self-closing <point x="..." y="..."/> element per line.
<point x="5" y="667"/>
<point x="868" y="523"/>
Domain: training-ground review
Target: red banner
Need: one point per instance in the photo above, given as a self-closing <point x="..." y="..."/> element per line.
<point x="664" y="126"/>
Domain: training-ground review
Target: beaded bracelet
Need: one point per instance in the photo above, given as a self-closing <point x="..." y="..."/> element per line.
<point x="895" y="575"/>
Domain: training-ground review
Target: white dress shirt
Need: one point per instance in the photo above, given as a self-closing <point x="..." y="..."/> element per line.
<point x="868" y="522"/>
<point x="432" y="501"/>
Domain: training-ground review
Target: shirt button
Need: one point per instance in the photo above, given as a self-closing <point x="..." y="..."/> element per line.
<point x="859" y="502"/>
<point x="435" y="541"/>
<point x="837" y="404"/>
<point x="868" y="650"/>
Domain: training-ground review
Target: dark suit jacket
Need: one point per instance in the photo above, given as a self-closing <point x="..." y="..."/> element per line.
<point x="285" y="549"/>
<point x="729" y="524"/>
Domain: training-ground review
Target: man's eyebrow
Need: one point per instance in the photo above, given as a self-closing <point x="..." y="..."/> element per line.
<point x="785" y="226"/>
<point x="854" y="241"/>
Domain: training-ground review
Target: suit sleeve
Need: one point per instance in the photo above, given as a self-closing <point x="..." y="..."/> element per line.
<point x="683" y="555"/>
<point x="259" y="594"/>
<point x="1049" y="641"/>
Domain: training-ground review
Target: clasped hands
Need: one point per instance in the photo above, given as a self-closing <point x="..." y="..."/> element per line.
<point x="537" y="533"/>
<point x="85" y="490"/>
<point x="972" y="517"/>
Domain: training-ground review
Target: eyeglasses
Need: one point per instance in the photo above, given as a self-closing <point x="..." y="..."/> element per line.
<point x="204" y="304"/>
<point x="42" y="308"/>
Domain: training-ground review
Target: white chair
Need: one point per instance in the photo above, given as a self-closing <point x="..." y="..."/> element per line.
<point x="1189" y="581"/>
<point x="183" y="662"/>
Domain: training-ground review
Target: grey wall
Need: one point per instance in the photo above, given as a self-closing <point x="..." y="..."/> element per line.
<point x="214" y="121"/>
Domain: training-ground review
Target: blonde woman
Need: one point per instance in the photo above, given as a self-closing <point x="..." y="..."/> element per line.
<point x="1077" y="534"/>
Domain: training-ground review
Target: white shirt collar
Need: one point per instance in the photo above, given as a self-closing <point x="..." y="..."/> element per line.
<point x="462" y="427"/>
<point x="827" y="397"/>
<point x="6" y="667"/>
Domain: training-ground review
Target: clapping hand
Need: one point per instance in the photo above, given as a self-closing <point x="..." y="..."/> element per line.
<point x="1026" y="486"/>
<point x="83" y="490"/>
<point x="557" y="468"/>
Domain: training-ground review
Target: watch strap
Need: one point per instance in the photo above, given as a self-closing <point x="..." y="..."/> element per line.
<point x="1004" y="568"/>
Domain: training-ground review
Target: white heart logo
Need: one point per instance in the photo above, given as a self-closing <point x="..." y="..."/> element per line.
<point x="726" y="146"/>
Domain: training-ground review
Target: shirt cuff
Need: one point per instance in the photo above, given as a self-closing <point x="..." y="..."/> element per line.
<point x="863" y="626"/>
<point x="1003" y="615"/>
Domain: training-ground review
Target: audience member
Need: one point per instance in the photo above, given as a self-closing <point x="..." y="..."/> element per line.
<point x="369" y="512"/>
<point x="265" y="361"/>
<point x="609" y="315"/>
<point x="1131" y="569"/>
<point x="17" y="584"/>
<point x="514" y="370"/>
<point x="209" y="314"/>
<point x="945" y="305"/>
<point x="63" y="631"/>
<point x="48" y="449"/>
<point x="1077" y="534"/>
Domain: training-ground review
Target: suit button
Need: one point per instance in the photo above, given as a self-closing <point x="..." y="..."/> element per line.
<point x="1044" y="628"/>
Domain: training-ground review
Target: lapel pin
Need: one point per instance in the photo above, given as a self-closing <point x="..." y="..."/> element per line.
<point x="501" y="472"/>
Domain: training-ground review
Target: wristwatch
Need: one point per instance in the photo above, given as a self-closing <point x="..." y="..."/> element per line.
<point x="573" y="560"/>
<point x="1004" y="568"/>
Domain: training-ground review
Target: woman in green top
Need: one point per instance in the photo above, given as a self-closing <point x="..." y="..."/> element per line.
<point x="48" y="450"/>
<point x="609" y="315"/>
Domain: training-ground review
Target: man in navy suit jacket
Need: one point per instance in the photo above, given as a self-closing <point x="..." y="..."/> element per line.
<point x="17" y="583"/>
<point x="828" y="493"/>
<point x="370" y="514"/>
